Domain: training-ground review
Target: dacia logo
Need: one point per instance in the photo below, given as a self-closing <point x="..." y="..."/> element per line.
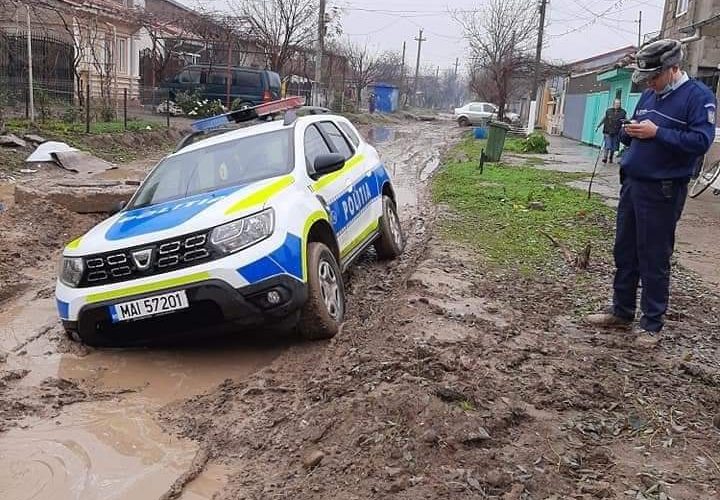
<point x="142" y="258"/>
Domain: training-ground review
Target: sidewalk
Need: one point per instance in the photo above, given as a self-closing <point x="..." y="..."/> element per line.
<point x="699" y="229"/>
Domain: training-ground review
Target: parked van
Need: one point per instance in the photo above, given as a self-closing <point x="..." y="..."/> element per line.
<point x="249" y="85"/>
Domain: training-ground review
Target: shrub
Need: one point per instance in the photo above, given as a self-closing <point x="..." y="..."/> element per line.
<point x="536" y="143"/>
<point x="195" y="106"/>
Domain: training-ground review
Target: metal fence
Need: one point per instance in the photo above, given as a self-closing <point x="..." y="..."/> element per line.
<point x="51" y="104"/>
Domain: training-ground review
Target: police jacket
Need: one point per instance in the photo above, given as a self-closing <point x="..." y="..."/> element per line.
<point x="685" y="117"/>
<point x="611" y="122"/>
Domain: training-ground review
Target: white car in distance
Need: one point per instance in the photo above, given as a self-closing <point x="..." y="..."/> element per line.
<point x="480" y="113"/>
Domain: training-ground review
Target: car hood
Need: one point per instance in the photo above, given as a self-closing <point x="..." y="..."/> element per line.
<point x="146" y="225"/>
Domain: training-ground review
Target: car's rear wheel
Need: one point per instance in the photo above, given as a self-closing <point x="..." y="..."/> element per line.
<point x="392" y="241"/>
<point x="463" y="121"/>
<point x="324" y="311"/>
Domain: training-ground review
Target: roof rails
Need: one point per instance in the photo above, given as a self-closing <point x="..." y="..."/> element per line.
<point x="219" y="124"/>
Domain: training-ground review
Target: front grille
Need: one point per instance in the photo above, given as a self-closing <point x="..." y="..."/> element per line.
<point x="147" y="260"/>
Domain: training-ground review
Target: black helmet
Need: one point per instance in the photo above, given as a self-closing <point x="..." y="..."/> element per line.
<point x="655" y="57"/>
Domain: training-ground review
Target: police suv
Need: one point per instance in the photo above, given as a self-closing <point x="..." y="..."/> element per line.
<point x="250" y="226"/>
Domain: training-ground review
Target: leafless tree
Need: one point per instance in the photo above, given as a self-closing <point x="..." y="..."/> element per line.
<point x="501" y="36"/>
<point x="367" y="66"/>
<point x="281" y="27"/>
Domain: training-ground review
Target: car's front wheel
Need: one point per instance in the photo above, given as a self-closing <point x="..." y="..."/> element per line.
<point x="324" y="310"/>
<point x="392" y="241"/>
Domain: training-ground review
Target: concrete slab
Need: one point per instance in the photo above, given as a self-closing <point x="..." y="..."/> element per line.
<point x="81" y="162"/>
<point x="43" y="153"/>
<point x="80" y="196"/>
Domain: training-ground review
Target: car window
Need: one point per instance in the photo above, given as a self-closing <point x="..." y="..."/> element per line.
<point x="246" y="79"/>
<point x="273" y="80"/>
<point x="217" y="78"/>
<point x="189" y="76"/>
<point x="338" y="141"/>
<point x="350" y="133"/>
<point x="231" y="163"/>
<point x="476" y="107"/>
<point x="490" y="108"/>
<point x="315" y="145"/>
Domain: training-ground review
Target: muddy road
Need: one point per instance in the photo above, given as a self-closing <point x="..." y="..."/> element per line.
<point x="83" y="423"/>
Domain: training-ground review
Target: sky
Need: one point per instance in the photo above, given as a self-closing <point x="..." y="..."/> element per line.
<point x="575" y="29"/>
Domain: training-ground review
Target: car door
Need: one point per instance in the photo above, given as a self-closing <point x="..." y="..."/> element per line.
<point x="348" y="192"/>
<point x="476" y="112"/>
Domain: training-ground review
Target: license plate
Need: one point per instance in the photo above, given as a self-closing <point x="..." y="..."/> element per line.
<point x="150" y="306"/>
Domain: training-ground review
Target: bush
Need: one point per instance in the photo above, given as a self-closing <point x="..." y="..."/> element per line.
<point x="235" y="105"/>
<point x="194" y="106"/>
<point x="535" y="143"/>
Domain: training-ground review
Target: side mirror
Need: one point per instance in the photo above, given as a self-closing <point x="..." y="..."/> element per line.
<point x="117" y="207"/>
<point x="328" y="162"/>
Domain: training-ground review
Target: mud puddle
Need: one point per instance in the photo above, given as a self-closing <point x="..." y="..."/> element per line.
<point x="111" y="449"/>
<point x="411" y="153"/>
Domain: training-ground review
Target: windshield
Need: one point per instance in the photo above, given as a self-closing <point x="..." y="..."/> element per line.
<point x="215" y="167"/>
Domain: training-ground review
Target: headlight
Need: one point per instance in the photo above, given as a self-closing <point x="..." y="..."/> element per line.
<point x="71" y="270"/>
<point x="243" y="232"/>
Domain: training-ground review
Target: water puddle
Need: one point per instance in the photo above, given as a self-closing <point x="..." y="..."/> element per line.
<point x="112" y="449"/>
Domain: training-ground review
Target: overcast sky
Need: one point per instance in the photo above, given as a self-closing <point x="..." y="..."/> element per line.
<point x="575" y="29"/>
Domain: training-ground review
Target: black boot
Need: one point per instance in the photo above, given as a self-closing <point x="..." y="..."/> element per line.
<point x="611" y="156"/>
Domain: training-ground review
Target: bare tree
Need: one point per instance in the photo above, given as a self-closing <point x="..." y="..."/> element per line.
<point x="501" y="36"/>
<point x="367" y="67"/>
<point x="281" y="27"/>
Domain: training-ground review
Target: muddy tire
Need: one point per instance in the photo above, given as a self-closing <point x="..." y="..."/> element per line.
<point x="324" y="311"/>
<point x="463" y="122"/>
<point x="392" y="241"/>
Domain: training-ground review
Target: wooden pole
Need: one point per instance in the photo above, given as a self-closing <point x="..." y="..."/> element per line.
<point x="31" y="97"/>
<point x="87" y="104"/>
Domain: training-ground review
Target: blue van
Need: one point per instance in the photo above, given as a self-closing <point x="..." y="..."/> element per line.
<point x="251" y="86"/>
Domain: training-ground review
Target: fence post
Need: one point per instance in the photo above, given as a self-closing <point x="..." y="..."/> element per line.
<point x="125" y="109"/>
<point x="27" y="103"/>
<point x="167" y="109"/>
<point x="87" y="106"/>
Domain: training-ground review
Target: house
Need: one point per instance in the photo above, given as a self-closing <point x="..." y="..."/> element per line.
<point x="587" y="92"/>
<point x="174" y="35"/>
<point x="698" y="21"/>
<point x="97" y="37"/>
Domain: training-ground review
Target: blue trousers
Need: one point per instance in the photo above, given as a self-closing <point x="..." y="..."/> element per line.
<point x="647" y="216"/>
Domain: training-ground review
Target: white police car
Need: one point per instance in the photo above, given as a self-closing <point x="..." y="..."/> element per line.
<point x="252" y="226"/>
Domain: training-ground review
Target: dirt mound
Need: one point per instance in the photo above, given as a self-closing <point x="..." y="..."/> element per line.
<point x="31" y="235"/>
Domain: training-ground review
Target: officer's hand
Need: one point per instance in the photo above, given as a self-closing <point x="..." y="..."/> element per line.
<point x="643" y="130"/>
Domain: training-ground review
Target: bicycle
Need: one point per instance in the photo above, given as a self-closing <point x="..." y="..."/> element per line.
<point x="708" y="176"/>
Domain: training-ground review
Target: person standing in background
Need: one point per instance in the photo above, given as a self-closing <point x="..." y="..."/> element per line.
<point x="611" y="124"/>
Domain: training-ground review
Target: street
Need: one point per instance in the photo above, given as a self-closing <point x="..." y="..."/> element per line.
<point x="451" y="378"/>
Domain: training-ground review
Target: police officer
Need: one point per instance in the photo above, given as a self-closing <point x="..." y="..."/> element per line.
<point x="672" y="128"/>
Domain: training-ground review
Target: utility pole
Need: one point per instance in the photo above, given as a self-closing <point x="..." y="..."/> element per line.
<point x="402" y="71"/>
<point x="534" y="91"/>
<point x="318" y="53"/>
<point x="30" y="68"/>
<point x="419" y="40"/>
<point x="457" y="63"/>
<point x="639" y="29"/>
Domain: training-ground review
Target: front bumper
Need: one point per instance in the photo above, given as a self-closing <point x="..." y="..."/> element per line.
<point x="213" y="304"/>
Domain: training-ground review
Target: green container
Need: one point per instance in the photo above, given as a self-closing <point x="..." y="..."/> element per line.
<point x="496" y="141"/>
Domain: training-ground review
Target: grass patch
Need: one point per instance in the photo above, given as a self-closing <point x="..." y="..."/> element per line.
<point x="60" y="128"/>
<point x="505" y="210"/>
<point x="116" y="151"/>
<point x="514" y="145"/>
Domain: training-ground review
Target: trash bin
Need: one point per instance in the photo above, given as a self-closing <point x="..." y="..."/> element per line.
<point x="496" y="141"/>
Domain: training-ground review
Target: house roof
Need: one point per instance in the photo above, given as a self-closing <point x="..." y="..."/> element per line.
<point x="600" y="61"/>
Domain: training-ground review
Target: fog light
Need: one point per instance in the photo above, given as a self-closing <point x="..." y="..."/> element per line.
<point x="273" y="297"/>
